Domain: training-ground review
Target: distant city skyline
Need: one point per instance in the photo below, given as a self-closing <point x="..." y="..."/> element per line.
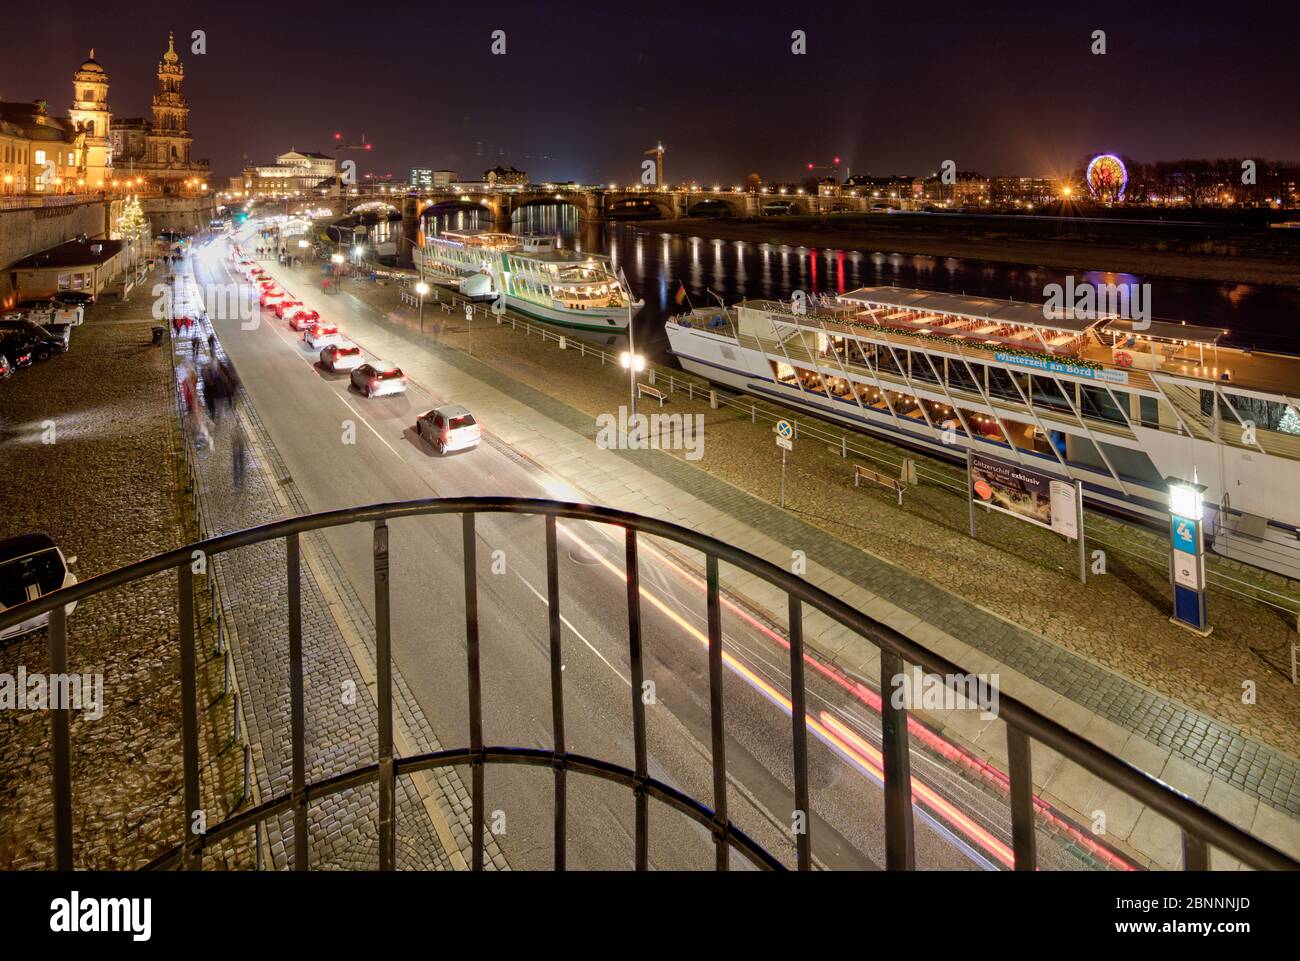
<point x="580" y="94"/>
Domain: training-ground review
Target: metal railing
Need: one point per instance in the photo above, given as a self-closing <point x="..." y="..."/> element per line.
<point x="1200" y="828"/>
<point x="856" y="444"/>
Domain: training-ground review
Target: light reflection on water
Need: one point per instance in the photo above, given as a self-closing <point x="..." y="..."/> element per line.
<point x="656" y="262"/>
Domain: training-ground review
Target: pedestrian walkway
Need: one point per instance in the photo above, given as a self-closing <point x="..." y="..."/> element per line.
<point x="242" y="483"/>
<point x="1246" y="781"/>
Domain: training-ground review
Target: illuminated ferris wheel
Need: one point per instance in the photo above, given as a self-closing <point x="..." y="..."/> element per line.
<point x="1107" y="177"/>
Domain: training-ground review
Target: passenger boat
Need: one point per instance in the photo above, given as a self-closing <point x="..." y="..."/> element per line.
<point x="1120" y="405"/>
<point x="538" y="278"/>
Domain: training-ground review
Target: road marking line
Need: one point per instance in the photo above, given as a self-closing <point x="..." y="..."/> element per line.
<point x="425" y="785"/>
<point x="577" y="633"/>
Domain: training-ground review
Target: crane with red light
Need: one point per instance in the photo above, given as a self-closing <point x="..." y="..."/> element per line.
<point x="340" y="146"/>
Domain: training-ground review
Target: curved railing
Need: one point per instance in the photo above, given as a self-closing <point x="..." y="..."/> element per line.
<point x="1200" y="828"/>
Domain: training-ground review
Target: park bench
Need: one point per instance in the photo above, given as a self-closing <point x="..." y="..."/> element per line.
<point x="645" y="389"/>
<point x="861" y="473"/>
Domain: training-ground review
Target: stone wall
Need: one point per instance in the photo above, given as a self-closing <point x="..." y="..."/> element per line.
<point x="178" y="213"/>
<point x="26" y="230"/>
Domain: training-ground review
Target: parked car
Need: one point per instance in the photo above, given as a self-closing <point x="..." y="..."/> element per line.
<point x="373" y="382"/>
<point x="304" y="319"/>
<point x="449" y="428"/>
<point x="286" y="308"/>
<point x="322" y="335"/>
<point x="17" y="351"/>
<point x="31" y="565"/>
<point x="272" y="297"/>
<point x="76" y="298"/>
<point x="41" y="343"/>
<point x="338" y="357"/>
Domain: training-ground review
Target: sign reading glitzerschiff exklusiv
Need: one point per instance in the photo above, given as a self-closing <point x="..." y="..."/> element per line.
<point x="1027" y="494"/>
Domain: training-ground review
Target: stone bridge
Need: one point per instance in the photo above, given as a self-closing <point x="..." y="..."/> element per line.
<point x="602" y="203"/>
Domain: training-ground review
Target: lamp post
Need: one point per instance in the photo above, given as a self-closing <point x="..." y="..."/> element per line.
<point x="421" y="288"/>
<point x="1187" y="554"/>
<point x="633" y="364"/>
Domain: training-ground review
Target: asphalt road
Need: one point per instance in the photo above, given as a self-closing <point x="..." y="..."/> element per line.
<point x="305" y="409"/>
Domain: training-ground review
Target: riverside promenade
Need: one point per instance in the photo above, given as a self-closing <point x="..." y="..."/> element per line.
<point x="1246" y="778"/>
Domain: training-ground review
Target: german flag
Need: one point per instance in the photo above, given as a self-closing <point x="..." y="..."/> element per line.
<point x="680" y="296"/>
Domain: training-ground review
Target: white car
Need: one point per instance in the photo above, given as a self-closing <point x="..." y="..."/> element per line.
<point x="31" y="565"/>
<point x="449" y="428"/>
<point x="342" y="357"/>
<point x="373" y="382"/>
<point x="322" y="335"/>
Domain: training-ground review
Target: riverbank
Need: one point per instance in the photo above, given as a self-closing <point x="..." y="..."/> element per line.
<point x="1017" y="572"/>
<point x="1222" y="255"/>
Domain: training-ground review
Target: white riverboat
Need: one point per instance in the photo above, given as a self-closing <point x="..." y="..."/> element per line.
<point x="538" y="278"/>
<point x="1119" y="405"/>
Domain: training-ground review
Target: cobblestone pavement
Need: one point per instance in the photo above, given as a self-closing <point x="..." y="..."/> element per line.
<point x="433" y="812"/>
<point x="1219" y="749"/>
<point x="87" y="444"/>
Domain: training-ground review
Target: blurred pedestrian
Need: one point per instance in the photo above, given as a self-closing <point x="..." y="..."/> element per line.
<point x="238" y="457"/>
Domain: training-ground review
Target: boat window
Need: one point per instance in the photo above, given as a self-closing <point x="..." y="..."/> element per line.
<point x="1149" y="411"/>
<point x="885" y="361"/>
<point x="1045" y="392"/>
<point x="923" y="368"/>
<point x="959" y="377"/>
<point x="1133" y="465"/>
<point x="1266" y="414"/>
<point x="1001" y="385"/>
<point x="1097" y="402"/>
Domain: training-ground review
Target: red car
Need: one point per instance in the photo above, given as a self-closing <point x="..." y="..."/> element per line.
<point x="286" y="308"/>
<point x="304" y="319"/>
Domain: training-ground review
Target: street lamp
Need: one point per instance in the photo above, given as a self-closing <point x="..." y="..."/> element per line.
<point x="633" y="364"/>
<point x="421" y="288"/>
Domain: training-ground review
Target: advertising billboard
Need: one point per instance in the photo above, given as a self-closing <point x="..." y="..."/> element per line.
<point x="1027" y="494"/>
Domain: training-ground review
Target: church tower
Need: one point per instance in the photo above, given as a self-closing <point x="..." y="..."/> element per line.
<point x="91" y="116"/>
<point x="169" y="134"/>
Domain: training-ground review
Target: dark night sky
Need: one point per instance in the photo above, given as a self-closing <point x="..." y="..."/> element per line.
<point x="585" y="87"/>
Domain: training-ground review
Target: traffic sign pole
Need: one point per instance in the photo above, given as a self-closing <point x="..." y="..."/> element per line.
<point x="784" y="433"/>
<point x="782" y="478"/>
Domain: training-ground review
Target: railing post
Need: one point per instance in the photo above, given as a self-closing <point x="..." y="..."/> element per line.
<point x="61" y="746"/>
<point x="1023" y="840"/>
<point x="190" y="855"/>
<point x="799" y="739"/>
<point x="1196" y="853"/>
<point x="298" y="725"/>
<point x="900" y="852"/>
<point x="470" y="555"/>
<point x="638" y="703"/>
<point x="718" y="730"/>
<point x="384" y="699"/>
<point x="557" y="688"/>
